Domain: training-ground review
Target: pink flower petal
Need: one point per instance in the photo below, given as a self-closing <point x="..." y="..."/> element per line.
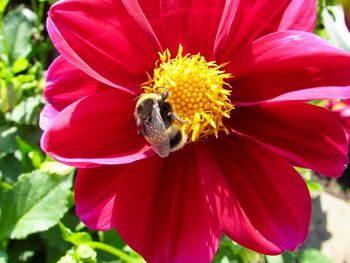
<point x="308" y="135"/>
<point x="299" y="15"/>
<point x="103" y="41"/>
<point x="245" y="21"/>
<point x="157" y="205"/>
<point x="186" y="21"/>
<point x="97" y="129"/>
<point x="66" y="84"/>
<point x="329" y="92"/>
<point x="47" y="115"/>
<point x="179" y="22"/>
<point x="261" y="202"/>
<point x="94" y="194"/>
<point x="288" y="61"/>
<point x="138" y="10"/>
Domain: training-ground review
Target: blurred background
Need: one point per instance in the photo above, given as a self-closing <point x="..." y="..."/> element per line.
<point x="37" y="219"/>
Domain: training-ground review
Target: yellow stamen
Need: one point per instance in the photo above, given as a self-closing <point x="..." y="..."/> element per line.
<point x="198" y="92"/>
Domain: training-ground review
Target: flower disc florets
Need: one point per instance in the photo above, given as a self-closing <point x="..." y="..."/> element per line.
<point x="198" y="92"/>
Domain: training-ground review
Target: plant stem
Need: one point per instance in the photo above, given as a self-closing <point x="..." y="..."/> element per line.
<point x="40" y="14"/>
<point x="111" y="250"/>
<point x="34" y="6"/>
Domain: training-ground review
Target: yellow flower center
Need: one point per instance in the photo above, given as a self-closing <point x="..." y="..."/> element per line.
<point x="198" y="92"/>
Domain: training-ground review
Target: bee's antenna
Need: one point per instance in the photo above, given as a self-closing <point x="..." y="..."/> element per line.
<point x="165" y="94"/>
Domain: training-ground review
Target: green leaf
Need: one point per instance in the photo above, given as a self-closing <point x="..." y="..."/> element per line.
<point x="68" y="258"/>
<point x="27" y="112"/>
<point x="289" y="257"/>
<point x="18" y="32"/>
<point x="7" y="139"/>
<point x="20" y="64"/>
<point x="76" y="238"/>
<point x="332" y="2"/>
<point x="79" y="238"/>
<point x="314" y="186"/>
<point x="3" y="257"/>
<point x="9" y="95"/>
<point x="56" y="168"/>
<point x="30" y="156"/>
<point x="286" y="257"/>
<point x="3" y="4"/>
<point x="31" y="134"/>
<point x="2" y="119"/>
<point x="55" y="246"/>
<point x="231" y="252"/>
<point x="35" y="203"/>
<point x="86" y="254"/>
<point x="10" y="168"/>
<point x="274" y="259"/>
<point x="24" y="79"/>
<point x="312" y="256"/>
<point x="53" y="238"/>
<point x="248" y="256"/>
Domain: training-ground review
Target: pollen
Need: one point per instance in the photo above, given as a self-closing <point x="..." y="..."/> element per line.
<point x="198" y="92"/>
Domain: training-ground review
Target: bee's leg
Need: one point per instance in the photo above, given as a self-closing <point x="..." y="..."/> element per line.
<point x="175" y="117"/>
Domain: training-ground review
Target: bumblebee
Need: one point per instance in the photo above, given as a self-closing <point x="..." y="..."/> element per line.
<point x="155" y="120"/>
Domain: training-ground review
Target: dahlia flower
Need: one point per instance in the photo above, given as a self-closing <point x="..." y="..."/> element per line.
<point x="238" y="74"/>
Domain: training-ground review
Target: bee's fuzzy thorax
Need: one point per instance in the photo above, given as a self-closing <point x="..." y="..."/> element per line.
<point x="147" y="96"/>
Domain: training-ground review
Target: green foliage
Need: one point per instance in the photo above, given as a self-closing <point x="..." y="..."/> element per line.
<point x="3" y="4"/>
<point x="313" y="255"/>
<point x="321" y="6"/>
<point x="311" y="184"/>
<point x="41" y="201"/>
<point x="18" y="26"/>
<point x="230" y="251"/>
<point x="27" y="111"/>
<point x="3" y="257"/>
<point x="303" y="256"/>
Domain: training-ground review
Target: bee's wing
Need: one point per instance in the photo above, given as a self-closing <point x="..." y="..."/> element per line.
<point x="155" y="132"/>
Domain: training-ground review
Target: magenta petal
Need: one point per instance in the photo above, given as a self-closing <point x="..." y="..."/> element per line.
<point x="329" y="92"/>
<point x="308" y="135"/>
<point x="134" y="8"/>
<point x="66" y="84"/>
<point x="246" y="21"/>
<point x="261" y="202"/>
<point x="94" y="194"/>
<point x="159" y="207"/>
<point x="102" y="41"/>
<point x="288" y="61"/>
<point x="97" y="129"/>
<point x="299" y="15"/>
<point x="186" y="21"/>
<point x="47" y="115"/>
<point x="179" y="22"/>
